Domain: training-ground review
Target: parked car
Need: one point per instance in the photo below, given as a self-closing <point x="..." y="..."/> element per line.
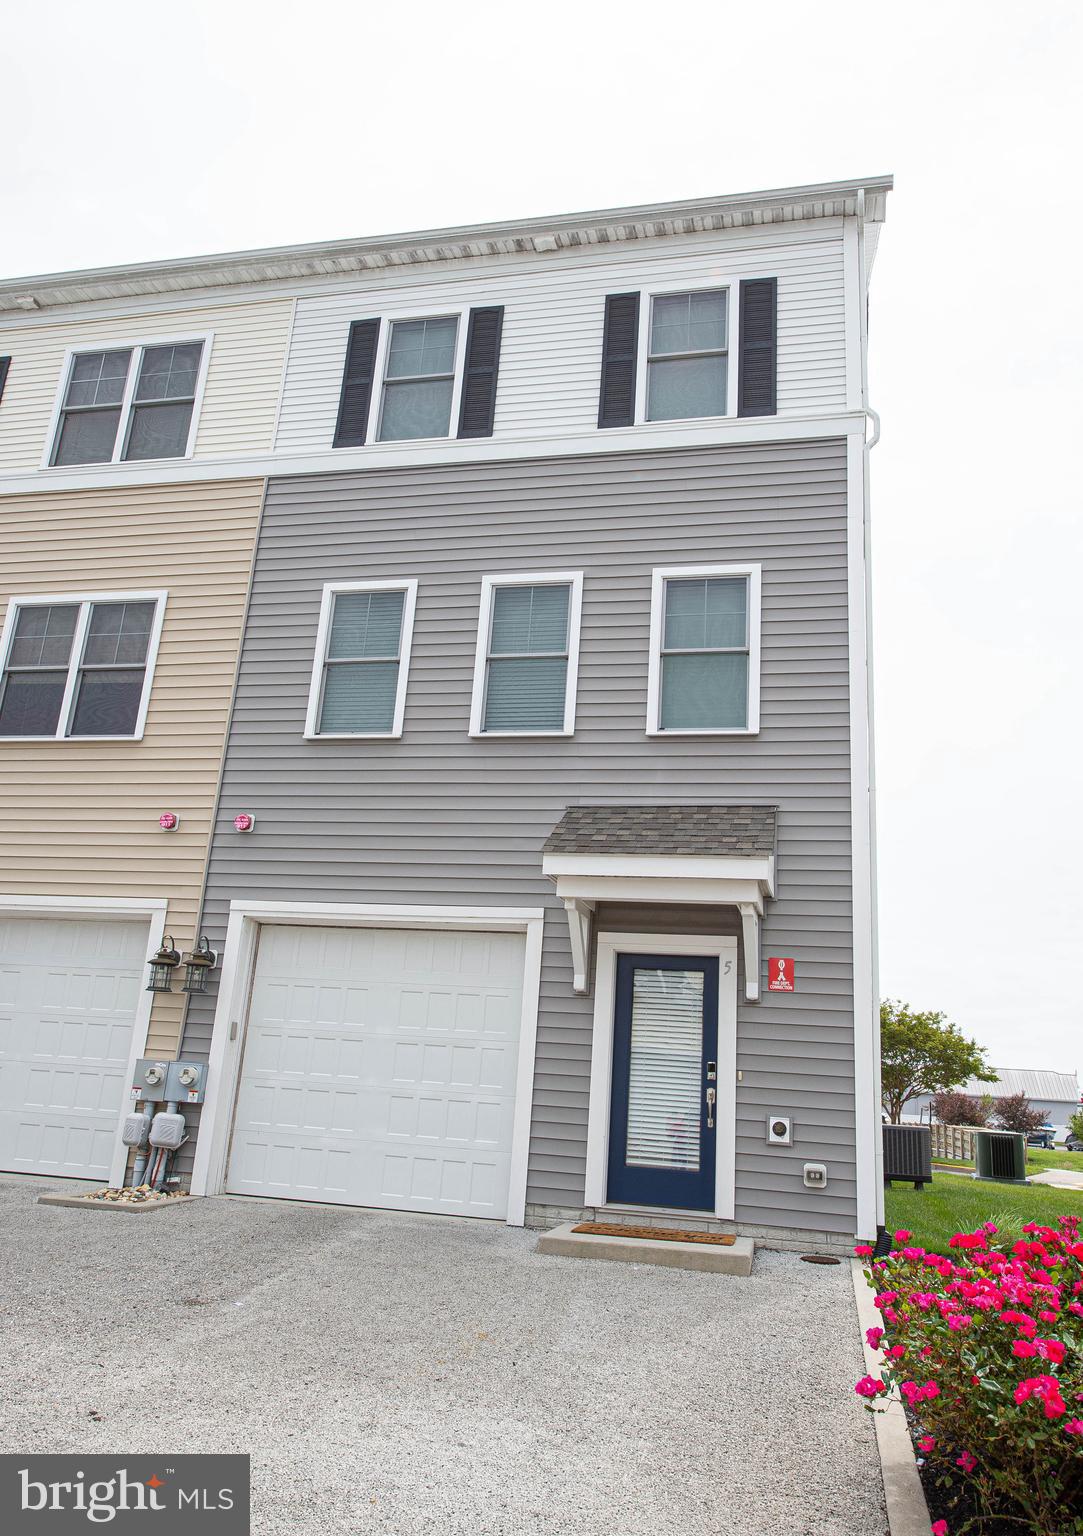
<point x="1042" y="1136"/>
<point x="1074" y="1143"/>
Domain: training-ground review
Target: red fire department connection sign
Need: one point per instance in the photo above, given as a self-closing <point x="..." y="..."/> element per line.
<point x="779" y="974"/>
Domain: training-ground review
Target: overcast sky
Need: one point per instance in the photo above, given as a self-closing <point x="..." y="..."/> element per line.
<point x="153" y="131"/>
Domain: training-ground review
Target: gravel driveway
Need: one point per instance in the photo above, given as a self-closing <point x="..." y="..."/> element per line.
<point x="405" y="1374"/>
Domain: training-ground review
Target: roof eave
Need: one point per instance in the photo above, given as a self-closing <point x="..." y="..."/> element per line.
<point x="536" y="236"/>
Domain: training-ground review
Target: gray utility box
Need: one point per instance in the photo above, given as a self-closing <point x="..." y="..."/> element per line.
<point x="908" y="1153"/>
<point x="1001" y="1155"/>
<point x="185" y="1082"/>
<point x="149" y="1080"/>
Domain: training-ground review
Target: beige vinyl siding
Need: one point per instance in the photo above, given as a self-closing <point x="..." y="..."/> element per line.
<point x="243" y="377"/>
<point x="81" y="818"/>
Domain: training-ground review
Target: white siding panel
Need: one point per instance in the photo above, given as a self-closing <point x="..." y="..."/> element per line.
<point x="243" y="379"/>
<point x="551" y="351"/>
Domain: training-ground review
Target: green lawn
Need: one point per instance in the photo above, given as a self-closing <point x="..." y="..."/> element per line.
<point x="1038" y="1160"/>
<point x="954" y="1204"/>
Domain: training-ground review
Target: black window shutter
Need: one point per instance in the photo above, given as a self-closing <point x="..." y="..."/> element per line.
<point x="758" y="346"/>
<point x="478" y="405"/>
<point x="5" y="364"/>
<point x="620" y="348"/>
<point x="353" y="405"/>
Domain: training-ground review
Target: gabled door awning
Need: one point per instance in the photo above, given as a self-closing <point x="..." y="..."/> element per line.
<point x="720" y="855"/>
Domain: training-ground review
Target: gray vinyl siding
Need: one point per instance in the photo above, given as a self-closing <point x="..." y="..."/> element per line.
<point x="442" y="819"/>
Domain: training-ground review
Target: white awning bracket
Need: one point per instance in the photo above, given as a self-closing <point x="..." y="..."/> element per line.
<point x="580" y="931"/>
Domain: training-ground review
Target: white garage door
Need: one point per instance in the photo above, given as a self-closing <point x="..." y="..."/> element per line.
<point x="68" y="993"/>
<point x="379" y="1069"/>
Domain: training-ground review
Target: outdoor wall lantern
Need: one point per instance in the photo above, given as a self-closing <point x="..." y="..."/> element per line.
<point x="162" y="966"/>
<point x="198" y="966"/>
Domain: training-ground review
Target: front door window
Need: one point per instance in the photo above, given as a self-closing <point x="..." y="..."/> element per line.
<point x="662" y="1125"/>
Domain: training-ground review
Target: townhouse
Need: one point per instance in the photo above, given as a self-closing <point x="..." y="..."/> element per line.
<point x="526" y="566"/>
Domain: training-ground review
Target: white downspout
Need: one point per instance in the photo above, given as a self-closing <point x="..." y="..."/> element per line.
<point x="869" y="444"/>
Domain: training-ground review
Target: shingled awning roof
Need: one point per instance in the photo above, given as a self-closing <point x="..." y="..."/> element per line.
<point x="719" y="854"/>
<point x="717" y="831"/>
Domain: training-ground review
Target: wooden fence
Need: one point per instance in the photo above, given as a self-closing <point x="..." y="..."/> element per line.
<point x="953" y="1141"/>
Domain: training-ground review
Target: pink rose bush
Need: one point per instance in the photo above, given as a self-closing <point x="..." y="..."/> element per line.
<point x="985" y="1348"/>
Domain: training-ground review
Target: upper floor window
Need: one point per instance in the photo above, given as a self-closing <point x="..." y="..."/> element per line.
<point x="687" y="364"/>
<point x="136" y="402"/>
<point x="705" y="651"/>
<point x="362" y="659"/>
<point x="527" y="655"/>
<point x="419" y="379"/>
<point x="76" y="666"/>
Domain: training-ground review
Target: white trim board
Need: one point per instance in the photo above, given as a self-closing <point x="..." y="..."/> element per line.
<point x="231" y="1015"/>
<point x="652" y="436"/>
<point x="610" y="945"/>
<point x="150" y="908"/>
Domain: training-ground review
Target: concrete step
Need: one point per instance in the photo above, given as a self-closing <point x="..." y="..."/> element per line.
<point x="569" y="1244"/>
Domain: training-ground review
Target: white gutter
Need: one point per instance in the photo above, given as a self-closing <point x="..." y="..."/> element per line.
<point x="869" y="445"/>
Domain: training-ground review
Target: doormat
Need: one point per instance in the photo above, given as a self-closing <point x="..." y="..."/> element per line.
<point x="663" y="1234"/>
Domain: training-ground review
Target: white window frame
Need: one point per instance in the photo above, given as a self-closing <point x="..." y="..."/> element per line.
<point x="570" y="579"/>
<point x="730" y="288"/>
<point x="331" y="590"/>
<point x="75" y="660"/>
<point x="379" y="374"/>
<point x="753" y="573"/>
<point x="137" y="349"/>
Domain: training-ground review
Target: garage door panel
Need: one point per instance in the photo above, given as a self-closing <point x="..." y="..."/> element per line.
<point x="68" y="995"/>
<point x="388" y="1078"/>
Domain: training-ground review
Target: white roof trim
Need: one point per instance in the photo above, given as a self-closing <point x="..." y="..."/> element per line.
<point x="831" y="199"/>
<point x="582" y="880"/>
<point x="692" y="867"/>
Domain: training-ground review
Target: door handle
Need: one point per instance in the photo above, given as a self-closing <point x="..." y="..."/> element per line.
<point x="711" y="1096"/>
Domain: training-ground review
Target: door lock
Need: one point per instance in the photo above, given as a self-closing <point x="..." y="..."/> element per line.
<point x="712" y="1071"/>
<point x="711" y="1096"/>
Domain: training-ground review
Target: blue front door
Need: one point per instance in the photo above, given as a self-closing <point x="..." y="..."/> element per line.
<point x="665" y="1059"/>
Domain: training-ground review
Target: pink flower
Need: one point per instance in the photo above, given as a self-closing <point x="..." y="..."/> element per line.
<point x="885" y="1299"/>
<point x="896" y="1352"/>
<point x="1047" y="1390"/>
<point x="968" y="1461"/>
<point x="870" y="1386"/>
<point x="873" y="1337"/>
<point x="1050" y="1349"/>
<point x="903" y="1236"/>
<point x="1024" y="1349"/>
<point x="863" y="1251"/>
<point x="939" y="1528"/>
<point x="961" y="1320"/>
<point x="927" y="1443"/>
<point x="1074" y="1427"/>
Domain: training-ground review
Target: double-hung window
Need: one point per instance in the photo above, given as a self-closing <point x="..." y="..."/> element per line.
<point x="362" y="659"/>
<point x="132" y="402"/>
<point x="79" y="666"/>
<point x="419" y="379"/>
<point x="705" y="651"/>
<point x="527" y="655"/>
<point x="687" y="355"/>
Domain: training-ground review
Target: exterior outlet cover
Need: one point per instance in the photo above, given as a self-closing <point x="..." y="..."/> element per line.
<point x="167" y="1130"/>
<point x="779" y="1131"/>
<point x="815" y="1175"/>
